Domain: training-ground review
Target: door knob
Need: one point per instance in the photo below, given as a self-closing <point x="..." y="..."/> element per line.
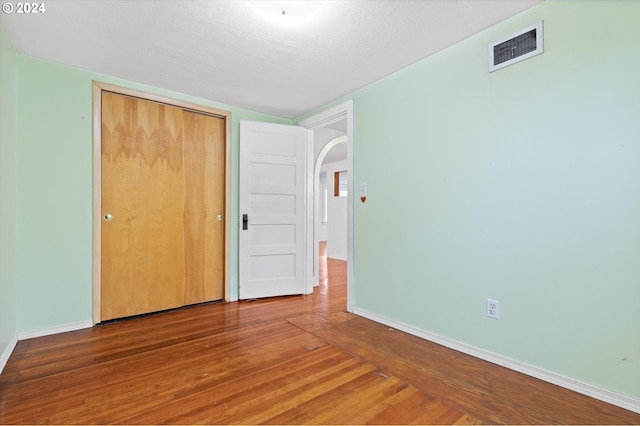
<point x="219" y="217"/>
<point x="108" y="217"/>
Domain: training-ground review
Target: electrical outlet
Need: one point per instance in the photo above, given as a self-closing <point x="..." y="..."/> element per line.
<point x="493" y="308"/>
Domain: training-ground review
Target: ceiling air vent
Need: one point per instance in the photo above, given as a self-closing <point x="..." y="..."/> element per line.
<point x="515" y="48"/>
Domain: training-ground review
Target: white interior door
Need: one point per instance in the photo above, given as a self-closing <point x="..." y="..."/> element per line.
<point x="272" y="210"/>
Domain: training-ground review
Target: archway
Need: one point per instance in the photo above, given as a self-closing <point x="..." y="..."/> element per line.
<point x="316" y="199"/>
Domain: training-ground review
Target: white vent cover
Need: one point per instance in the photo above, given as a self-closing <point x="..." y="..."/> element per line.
<point x="515" y="48"/>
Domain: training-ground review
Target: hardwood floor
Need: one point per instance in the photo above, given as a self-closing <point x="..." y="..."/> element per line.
<point x="289" y="360"/>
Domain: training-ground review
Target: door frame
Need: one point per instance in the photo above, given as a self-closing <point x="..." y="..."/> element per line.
<point x="322" y="119"/>
<point x="98" y="88"/>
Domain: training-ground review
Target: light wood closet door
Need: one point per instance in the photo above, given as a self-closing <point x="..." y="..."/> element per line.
<point x="160" y="248"/>
<point x="204" y="202"/>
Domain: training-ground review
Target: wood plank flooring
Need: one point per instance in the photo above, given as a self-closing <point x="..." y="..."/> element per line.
<point x="289" y="360"/>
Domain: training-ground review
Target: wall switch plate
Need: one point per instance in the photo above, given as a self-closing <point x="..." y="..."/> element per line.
<point x="493" y="308"/>
<point x="363" y="192"/>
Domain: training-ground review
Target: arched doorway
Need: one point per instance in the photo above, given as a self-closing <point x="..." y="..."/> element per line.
<point x="320" y="204"/>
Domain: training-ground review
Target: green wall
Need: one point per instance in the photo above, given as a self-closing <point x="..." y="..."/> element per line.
<point x="520" y="185"/>
<point x="54" y="201"/>
<point x="7" y="192"/>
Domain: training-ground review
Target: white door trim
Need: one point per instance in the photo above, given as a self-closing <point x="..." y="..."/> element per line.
<point x="329" y="116"/>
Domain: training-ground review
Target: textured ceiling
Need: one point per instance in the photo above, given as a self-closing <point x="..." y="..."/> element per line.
<point x="232" y="52"/>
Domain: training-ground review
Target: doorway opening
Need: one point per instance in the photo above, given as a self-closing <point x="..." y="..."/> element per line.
<point x="332" y="144"/>
<point x="331" y="221"/>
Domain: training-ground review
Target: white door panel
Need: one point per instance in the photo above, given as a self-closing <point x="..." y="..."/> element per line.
<point x="272" y="196"/>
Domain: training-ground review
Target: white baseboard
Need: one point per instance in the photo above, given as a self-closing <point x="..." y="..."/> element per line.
<point x="7" y="352"/>
<point x="24" y="335"/>
<point x="602" y="394"/>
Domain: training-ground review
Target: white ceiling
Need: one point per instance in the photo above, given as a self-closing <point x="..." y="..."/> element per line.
<point x="232" y="52"/>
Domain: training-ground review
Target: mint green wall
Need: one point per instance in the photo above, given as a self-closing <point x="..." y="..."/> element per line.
<point x="7" y="192"/>
<point x="521" y="185"/>
<point x="54" y="201"/>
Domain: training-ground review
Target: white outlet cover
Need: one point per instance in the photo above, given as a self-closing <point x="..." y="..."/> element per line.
<point x="493" y="308"/>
